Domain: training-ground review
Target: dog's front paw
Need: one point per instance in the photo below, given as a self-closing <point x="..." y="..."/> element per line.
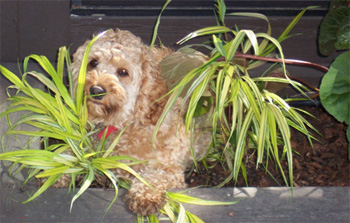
<point x="145" y="201"/>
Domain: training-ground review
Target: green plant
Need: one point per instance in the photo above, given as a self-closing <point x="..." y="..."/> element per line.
<point x="335" y="28"/>
<point x="335" y="91"/>
<point x="335" y="86"/>
<point x="57" y="115"/>
<point x="245" y="115"/>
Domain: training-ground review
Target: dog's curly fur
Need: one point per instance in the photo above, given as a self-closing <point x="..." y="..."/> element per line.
<point x="128" y="74"/>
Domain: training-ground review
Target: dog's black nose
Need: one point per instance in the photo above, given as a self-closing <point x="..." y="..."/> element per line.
<point x="97" y="92"/>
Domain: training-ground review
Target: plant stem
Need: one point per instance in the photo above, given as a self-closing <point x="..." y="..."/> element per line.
<point x="287" y="61"/>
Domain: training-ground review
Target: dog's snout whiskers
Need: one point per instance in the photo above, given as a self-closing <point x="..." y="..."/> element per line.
<point x="97" y="92"/>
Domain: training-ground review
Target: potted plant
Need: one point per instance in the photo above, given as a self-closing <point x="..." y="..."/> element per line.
<point x="244" y="114"/>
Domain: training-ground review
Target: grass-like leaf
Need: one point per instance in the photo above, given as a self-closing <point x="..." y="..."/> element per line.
<point x="183" y="198"/>
<point x="89" y="178"/>
<point x="205" y="31"/>
<point x="155" y="30"/>
<point x="82" y="72"/>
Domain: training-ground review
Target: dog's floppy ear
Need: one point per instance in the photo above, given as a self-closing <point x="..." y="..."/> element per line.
<point x="148" y="106"/>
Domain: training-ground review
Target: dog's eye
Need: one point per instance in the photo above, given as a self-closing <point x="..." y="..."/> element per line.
<point x="93" y="63"/>
<point x="123" y="72"/>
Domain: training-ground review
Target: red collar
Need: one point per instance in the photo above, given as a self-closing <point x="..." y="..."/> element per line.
<point x="110" y="130"/>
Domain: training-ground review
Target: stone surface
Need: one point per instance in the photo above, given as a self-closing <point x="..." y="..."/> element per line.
<point x="309" y="204"/>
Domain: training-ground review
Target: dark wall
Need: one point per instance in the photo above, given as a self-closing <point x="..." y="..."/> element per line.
<point x="42" y="26"/>
<point x="27" y="27"/>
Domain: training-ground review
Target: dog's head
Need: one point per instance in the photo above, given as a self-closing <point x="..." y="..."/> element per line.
<point x="123" y="80"/>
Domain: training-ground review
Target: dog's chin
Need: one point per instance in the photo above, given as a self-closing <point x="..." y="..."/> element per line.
<point x="98" y="111"/>
<point x="94" y="102"/>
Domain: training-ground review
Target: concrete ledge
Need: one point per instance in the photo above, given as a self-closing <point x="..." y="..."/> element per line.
<point x="309" y="204"/>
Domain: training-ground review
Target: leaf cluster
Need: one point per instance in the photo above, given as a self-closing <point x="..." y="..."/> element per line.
<point x="244" y="115"/>
<point x="176" y="212"/>
<point x="59" y="116"/>
<point x="335" y="28"/>
<point x="335" y="91"/>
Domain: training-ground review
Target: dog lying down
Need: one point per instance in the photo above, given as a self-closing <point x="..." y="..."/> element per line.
<point x="124" y="83"/>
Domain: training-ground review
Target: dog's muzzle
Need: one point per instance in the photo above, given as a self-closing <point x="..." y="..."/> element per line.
<point x="97" y="92"/>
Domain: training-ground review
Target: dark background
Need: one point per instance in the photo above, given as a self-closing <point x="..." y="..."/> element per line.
<point x="42" y="26"/>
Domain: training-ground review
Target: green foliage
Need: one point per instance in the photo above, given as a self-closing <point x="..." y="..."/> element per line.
<point x="335" y="90"/>
<point x="176" y="65"/>
<point x="335" y="35"/>
<point x="155" y="31"/>
<point x="244" y="114"/>
<point x="335" y="28"/>
<point x="57" y="115"/>
<point x="176" y="211"/>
